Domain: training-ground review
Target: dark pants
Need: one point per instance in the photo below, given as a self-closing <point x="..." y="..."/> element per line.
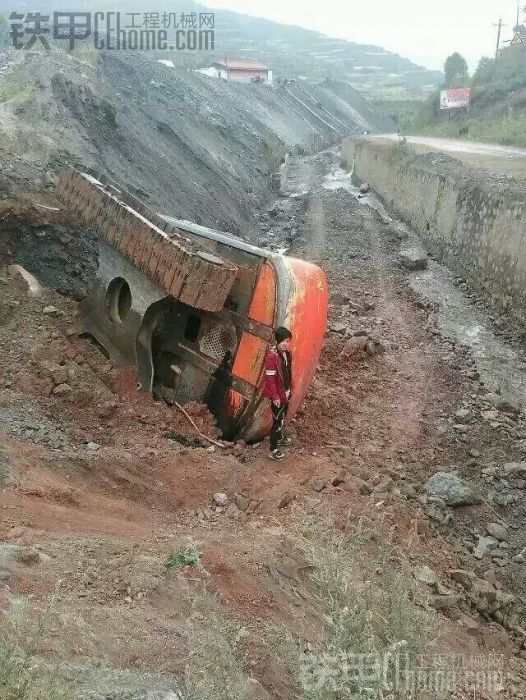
<point x="278" y="416"/>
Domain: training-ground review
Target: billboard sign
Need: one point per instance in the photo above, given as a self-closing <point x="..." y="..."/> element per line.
<point x="453" y="98"/>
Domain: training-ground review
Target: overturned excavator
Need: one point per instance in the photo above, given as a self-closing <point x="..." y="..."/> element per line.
<point x="194" y="309"/>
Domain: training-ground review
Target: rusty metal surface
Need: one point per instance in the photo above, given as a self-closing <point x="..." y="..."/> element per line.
<point x="181" y="268"/>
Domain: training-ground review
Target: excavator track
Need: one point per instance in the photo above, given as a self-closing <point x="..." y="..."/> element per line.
<point x="180" y="267"/>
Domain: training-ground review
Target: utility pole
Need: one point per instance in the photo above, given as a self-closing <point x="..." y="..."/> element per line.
<point x="499" y="25"/>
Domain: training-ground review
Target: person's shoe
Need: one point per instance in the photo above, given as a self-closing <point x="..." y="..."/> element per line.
<point x="278" y="455"/>
<point x="285" y="442"/>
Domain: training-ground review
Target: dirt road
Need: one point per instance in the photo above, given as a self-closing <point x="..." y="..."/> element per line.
<point x="100" y="494"/>
<point x="494" y="157"/>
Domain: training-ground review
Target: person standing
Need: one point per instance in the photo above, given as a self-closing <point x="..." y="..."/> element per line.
<point x="278" y="388"/>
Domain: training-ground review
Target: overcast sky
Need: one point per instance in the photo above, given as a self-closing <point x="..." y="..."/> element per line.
<point x="425" y="31"/>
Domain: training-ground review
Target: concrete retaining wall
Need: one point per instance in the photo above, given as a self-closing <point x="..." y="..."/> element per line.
<point x="472" y="221"/>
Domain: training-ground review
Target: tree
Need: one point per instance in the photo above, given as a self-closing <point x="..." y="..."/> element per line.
<point x="456" y="70"/>
<point x="484" y="72"/>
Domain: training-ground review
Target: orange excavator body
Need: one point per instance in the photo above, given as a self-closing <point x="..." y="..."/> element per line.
<point x="195" y="308"/>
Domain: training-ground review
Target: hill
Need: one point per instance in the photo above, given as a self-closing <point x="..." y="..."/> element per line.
<point x="292" y="52"/>
<point x="173" y="137"/>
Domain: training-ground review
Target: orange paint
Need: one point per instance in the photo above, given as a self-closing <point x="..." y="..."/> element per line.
<point x="306" y="317"/>
<point x="250" y="356"/>
<point x="307" y="320"/>
<point x="262" y="307"/>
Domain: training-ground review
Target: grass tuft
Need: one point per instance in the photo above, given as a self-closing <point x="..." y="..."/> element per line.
<point x="190" y="556"/>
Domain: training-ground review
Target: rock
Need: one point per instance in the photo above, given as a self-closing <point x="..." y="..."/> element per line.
<point x="220" y="499"/>
<point x="354" y="346"/>
<point x="57" y="373"/>
<point x="498" y="531"/>
<point x="385" y="486"/>
<point x="14" y="554"/>
<point x="339" y="299"/>
<point x="484" y="589"/>
<point x="515" y="469"/>
<point x="465" y="578"/>
<point x="490" y="576"/>
<point x="504" y="600"/>
<point x="364" y="188"/>
<point x="255" y="690"/>
<point x="93" y="446"/>
<point x="453" y="490"/>
<point x="318" y="485"/>
<point x="483" y="545"/>
<point x="107" y="409"/>
<point x="490" y="415"/>
<point x="442" y="602"/>
<point x="426" y="575"/>
<point x="28" y="556"/>
<point x="34" y="288"/>
<point x="242" y="502"/>
<point x="62" y="389"/>
<point x="337" y="327"/>
<point x="286" y="499"/>
<point x="51" y="311"/>
<point x="339" y="479"/>
<point x="520" y="558"/>
<point x="462" y="415"/>
<point x="232" y="511"/>
<point x="412" y="259"/>
<point x="508" y="407"/>
<point x="366" y="489"/>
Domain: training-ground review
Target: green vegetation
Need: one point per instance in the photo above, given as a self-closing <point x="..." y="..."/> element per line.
<point x="507" y="130"/>
<point x="367" y="603"/>
<point x="402" y="154"/>
<point x="24" y="673"/>
<point x="456" y="71"/>
<point x="190" y="556"/>
<point x="498" y="101"/>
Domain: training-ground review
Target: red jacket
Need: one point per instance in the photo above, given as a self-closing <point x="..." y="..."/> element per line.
<point x="278" y="376"/>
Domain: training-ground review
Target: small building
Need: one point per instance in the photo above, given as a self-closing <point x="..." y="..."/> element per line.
<point x="240" y="71"/>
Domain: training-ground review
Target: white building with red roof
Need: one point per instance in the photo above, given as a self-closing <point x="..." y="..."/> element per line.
<point x="237" y="70"/>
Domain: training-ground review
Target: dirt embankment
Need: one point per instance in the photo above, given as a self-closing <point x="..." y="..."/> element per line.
<point x="135" y="119"/>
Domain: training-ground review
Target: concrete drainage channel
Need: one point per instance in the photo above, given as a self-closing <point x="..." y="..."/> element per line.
<point x="458" y="319"/>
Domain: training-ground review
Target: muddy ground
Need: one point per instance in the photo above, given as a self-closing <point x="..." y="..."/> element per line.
<point x="98" y="495"/>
